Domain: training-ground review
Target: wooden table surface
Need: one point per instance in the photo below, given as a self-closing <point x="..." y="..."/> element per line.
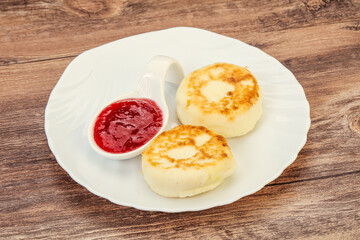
<point x="316" y="197"/>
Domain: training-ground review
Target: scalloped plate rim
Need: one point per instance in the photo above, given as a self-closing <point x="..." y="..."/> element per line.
<point x="147" y="208"/>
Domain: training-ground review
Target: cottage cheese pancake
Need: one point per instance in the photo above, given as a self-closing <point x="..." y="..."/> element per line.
<point x="187" y="160"/>
<point x="223" y="97"/>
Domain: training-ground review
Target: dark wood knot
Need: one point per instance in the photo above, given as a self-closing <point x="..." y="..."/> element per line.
<point x="354" y="27"/>
<point x="314" y="5"/>
<point x="94" y="8"/>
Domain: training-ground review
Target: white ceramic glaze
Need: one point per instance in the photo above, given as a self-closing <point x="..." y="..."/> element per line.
<point x="101" y="74"/>
<point x="151" y="86"/>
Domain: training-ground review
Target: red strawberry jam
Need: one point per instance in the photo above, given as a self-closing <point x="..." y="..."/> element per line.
<point x="127" y="124"/>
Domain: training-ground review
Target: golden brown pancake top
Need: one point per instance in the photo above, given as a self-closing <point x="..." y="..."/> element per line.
<point x="245" y="94"/>
<point x="208" y="153"/>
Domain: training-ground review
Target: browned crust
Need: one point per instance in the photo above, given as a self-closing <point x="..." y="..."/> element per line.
<point x="241" y="99"/>
<point x="215" y="149"/>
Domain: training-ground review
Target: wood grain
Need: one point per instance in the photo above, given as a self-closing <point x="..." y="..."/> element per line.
<point x="317" y="197"/>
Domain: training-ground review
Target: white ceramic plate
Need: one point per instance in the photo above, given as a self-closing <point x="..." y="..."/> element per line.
<point x="96" y="76"/>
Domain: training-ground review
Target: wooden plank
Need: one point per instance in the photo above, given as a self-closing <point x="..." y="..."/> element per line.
<point x="278" y="211"/>
<point x="38" y="30"/>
